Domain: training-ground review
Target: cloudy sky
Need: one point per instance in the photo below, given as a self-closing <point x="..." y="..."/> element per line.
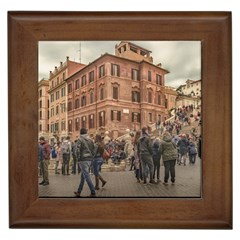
<point x="181" y="58"/>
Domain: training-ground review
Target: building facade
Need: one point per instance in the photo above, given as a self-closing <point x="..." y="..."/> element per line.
<point x="170" y="97"/>
<point x="58" y="98"/>
<point x="113" y="93"/>
<point x="116" y="93"/>
<point x="43" y="105"/>
<point x="189" y="94"/>
<point x="191" y="88"/>
<point x="183" y="100"/>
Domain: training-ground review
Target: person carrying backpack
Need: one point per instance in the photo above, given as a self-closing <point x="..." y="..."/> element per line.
<point x="85" y="155"/>
<point x="66" y="151"/>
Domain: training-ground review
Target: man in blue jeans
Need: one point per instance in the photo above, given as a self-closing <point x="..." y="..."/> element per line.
<point x="85" y="153"/>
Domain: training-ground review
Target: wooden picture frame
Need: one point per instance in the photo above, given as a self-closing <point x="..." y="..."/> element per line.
<point x="213" y="210"/>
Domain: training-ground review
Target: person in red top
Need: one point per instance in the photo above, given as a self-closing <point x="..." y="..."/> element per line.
<point x="46" y="150"/>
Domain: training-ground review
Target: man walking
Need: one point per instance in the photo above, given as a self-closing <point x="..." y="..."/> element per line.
<point x="85" y="154"/>
<point x="46" y="150"/>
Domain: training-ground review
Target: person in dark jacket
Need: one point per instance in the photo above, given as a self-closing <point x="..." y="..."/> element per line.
<point x="144" y="147"/>
<point x="183" y="149"/>
<point x="74" y="167"/>
<point x="40" y="159"/>
<point x="192" y="152"/>
<point x="156" y="158"/>
<point x="85" y="154"/>
<point x="169" y="155"/>
<point x="200" y="147"/>
<point x="46" y="150"/>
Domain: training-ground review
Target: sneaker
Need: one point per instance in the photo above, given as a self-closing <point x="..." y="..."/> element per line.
<point x="41" y="183"/>
<point x="77" y="194"/>
<point x="45" y="183"/>
<point x="152" y="182"/>
<point x="165" y="183"/>
<point x="96" y="188"/>
<point x="104" y="183"/>
<point x="92" y="195"/>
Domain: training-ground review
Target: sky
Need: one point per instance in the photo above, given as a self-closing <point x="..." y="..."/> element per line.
<point x="181" y="58"/>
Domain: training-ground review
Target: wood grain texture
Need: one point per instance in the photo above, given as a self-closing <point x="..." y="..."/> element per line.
<point x="213" y="210"/>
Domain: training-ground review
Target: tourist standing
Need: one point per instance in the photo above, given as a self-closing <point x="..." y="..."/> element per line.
<point x="145" y="152"/>
<point x="156" y="158"/>
<point x="183" y="149"/>
<point x="192" y="152"/>
<point x="46" y="151"/>
<point x="66" y="151"/>
<point x="40" y="159"/>
<point x="59" y="157"/>
<point x="169" y="155"/>
<point x="137" y="162"/>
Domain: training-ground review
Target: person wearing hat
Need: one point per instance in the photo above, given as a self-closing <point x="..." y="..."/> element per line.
<point x="46" y="150"/>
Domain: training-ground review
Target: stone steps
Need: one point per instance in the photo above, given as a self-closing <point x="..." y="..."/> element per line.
<point x="106" y="167"/>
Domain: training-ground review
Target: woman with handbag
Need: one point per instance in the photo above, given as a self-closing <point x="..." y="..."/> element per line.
<point x="98" y="161"/>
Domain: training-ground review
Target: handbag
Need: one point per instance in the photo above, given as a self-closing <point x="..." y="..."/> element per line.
<point x="105" y="155"/>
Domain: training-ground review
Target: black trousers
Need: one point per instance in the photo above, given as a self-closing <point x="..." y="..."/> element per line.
<point x="156" y="163"/>
<point x="65" y="166"/>
<point x="169" y="168"/>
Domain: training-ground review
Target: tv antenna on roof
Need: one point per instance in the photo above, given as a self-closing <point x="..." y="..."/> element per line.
<point x="80" y="52"/>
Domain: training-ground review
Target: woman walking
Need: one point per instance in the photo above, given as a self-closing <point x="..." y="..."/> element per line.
<point x="98" y="161"/>
<point x="169" y="155"/>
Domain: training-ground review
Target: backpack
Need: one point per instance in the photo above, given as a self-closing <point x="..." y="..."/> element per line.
<point x="65" y="148"/>
<point x="54" y="152"/>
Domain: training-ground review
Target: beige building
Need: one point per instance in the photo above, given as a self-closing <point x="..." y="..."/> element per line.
<point x="183" y="100"/>
<point x="191" y="88"/>
<point x="116" y="92"/>
<point x="43" y="104"/>
<point x="189" y="94"/>
<point x="132" y="51"/>
<point x="58" y="98"/>
<point x="113" y="93"/>
<point x="170" y="97"/>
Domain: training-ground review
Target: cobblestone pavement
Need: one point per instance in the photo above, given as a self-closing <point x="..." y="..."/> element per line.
<point x="124" y="184"/>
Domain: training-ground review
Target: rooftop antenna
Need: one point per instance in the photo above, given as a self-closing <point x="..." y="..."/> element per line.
<point x="80" y="52"/>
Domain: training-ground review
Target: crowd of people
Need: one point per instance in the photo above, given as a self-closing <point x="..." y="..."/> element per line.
<point x="87" y="156"/>
<point x="145" y="153"/>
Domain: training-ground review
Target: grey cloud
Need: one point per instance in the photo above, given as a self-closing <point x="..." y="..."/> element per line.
<point x="181" y="58"/>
